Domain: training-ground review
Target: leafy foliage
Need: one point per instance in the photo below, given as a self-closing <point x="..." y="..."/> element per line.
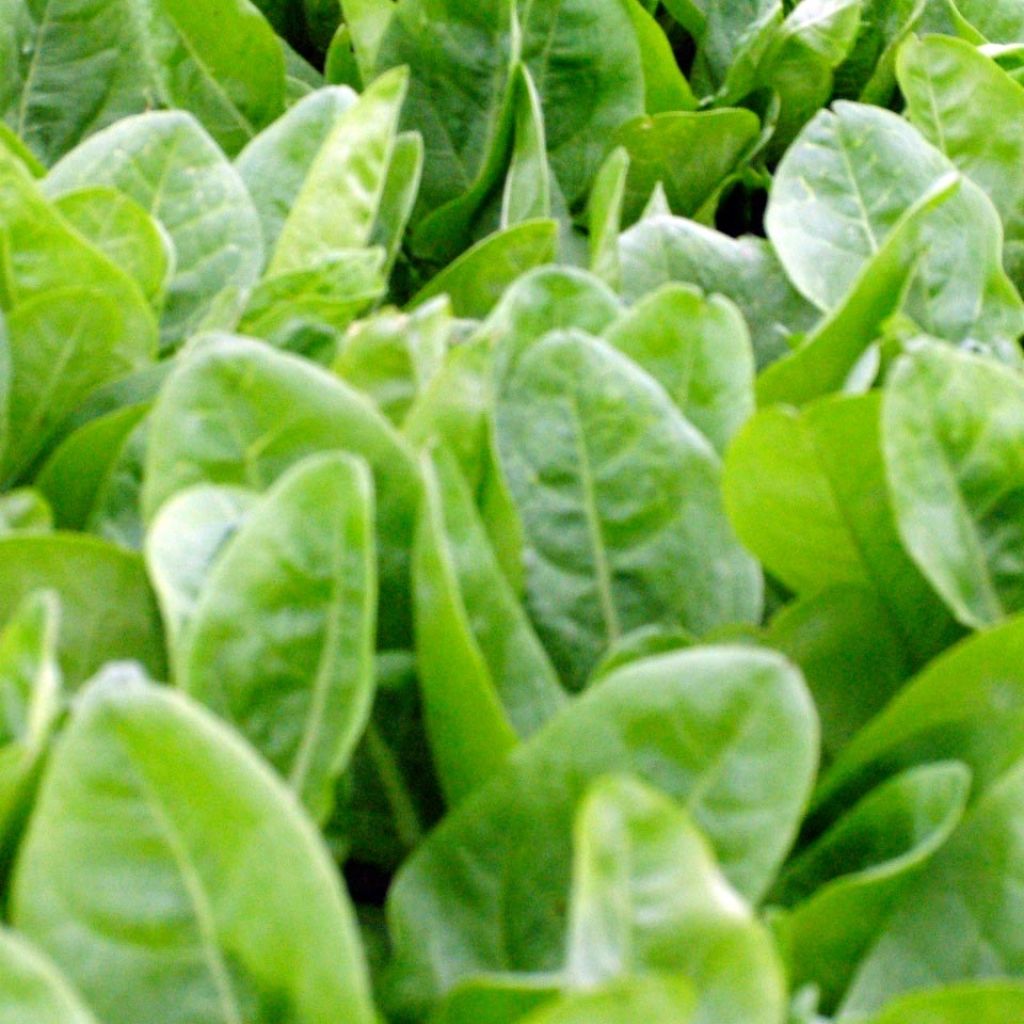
<point x="511" y="512"/>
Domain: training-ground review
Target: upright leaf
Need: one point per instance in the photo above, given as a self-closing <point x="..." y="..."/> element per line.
<point x="191" y="841"/>
<point x="952" y="432"/>
<point x="174" y="170"/>
<point x="620" y="501"/>
<point x="305" y="554"/>
<point x="648" y="898"/>
<point x="251" y="413"/>
<point x="727" y="731"/>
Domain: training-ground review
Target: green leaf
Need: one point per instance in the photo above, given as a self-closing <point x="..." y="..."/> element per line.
<point x="305" y="552"/>
<point x="726" y="731"/>
<point x="276" y="163"/>
<point x="698" y="348"/>
<point x="557" y="41"/>
<point x="811" y="43"/>
<point x="306" y="311"/>
<point x="690" y="153"/>
<point x="220" y="60"/>
<point x="29" y="704"/>
<point x="107" y="609"/>
<point x="119" y="227"/>
<point x="648" y="897"/>
<point x="336" y="204"/>
<point x="828" y="358"/>
<point x="963" y="103"/>
<point x="34" y="989"/>
<point x="851" y="654"/>
<point x="806" y="492"/>
<point x="253" y="412"/>
<point x="168" y="799"/>
<point x="168" y="165"/>
<point x="655" y="1000"/>
<point x="185" y="540"/>
<point x="845" y="185"/>
<point x="78" y="472"/>
<point x="663" y="249"/>
<point x="952" y="430"/>
<point x="869" y="71"/>
<point x="620" y="501"/>
<point x="486" y="680"/>
<point x="843" y="888"/>
<point x="960" y="920"/>
<point x="69" y="68"/>
<point x="966" y="705"/>
<point x="405" y="172"/>
<point x="604" y="215"/>
<point x="479" y="277"/>
<point x="393" y="357"/>
<point x="736" y="36"/>
<point x="992" y="1002"/>
<point x="527" y="192"/>
<point x="64" y="344"/>
<point x="665" y="86"/>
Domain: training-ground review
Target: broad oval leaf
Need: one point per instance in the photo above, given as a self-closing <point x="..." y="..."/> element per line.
<point x="191" y="840"/>
<point x="992" y="1002"/>
<point x="238" y="412"/>
<point x="728" y="732"/>
<point x="108" y="612"/>
<point x="698" y="348"/>
<point x="220" y="60"/>
<point x="620" y="501"/>
<point x="280" y="642"/>
<point x="960" y="921"/>
<point x="806" y="492"/>
<point x="953" y="428"/>
<point x="846" y="183"/>
<point x="169" y="165"/>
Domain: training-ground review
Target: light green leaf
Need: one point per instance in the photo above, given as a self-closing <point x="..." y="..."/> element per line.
<point x="964" y="103"/>
<point x="126" y="233"/>
<point x="966" y="705"/>
<point x="25" y="510"/>
<point x="304" y="553"/>
<point x="239" y="412"/>
<point x="336" y="205"/>
<point x="166" y="798"/>
<point x="843" y="888"/>
<point x="663" y="249"/>
<point x="993" y="1002"/>
<point x="960" y="921"/>
<point x="690" y="153"/>
<point x="726" y="731"/>
<point x="393" y="357"/>
<point x="845" y="185"/>
<point x="953" y="424"/>
<point x="527" y="192"/>
<point x="33" y="989"/>
<point x="107" y="609"/>
<point x="806" y="492"/>
<point x="699" y="350"/>
<point x="648" y="898"/>
<point x="479" y="277"/>
<point x="220" y="60"/>
<point x="620" y="502"/>
<point x="486" y="680"/>
<point x="182" y="545"/>
<point x="64" y="344"/>
<point x="652" y="999"/>
<point x="29" y="704"/>
<point x="174" y="170"/>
